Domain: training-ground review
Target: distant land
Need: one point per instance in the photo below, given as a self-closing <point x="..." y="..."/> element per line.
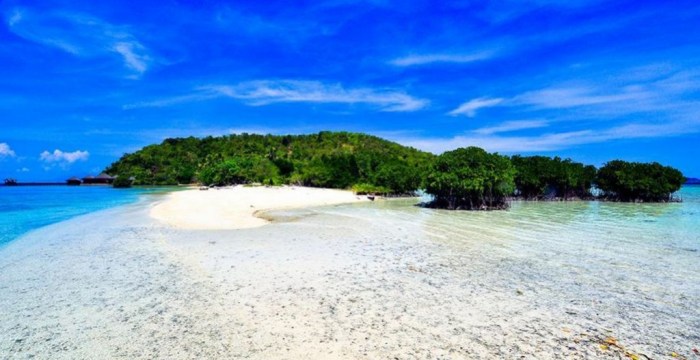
<point x="692" y="181"/>
<point x="465" y="178"/>
<point x="34" y="184"/>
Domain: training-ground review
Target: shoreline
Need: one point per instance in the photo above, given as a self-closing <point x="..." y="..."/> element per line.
<point x="242" y="207"/>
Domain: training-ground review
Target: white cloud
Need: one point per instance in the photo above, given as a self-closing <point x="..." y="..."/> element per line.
<point x="268" y="92"/>
<point x="14" y="18"/>
<point x="663" y="105"/>
<point x="563" y="98"/>
<point x="23" y="170"/>
<point x="499" y="12"/>
<point x="625" y="93"/>
<point x="424" y="59"/>
<point x="200" y="95"/>
<point x="551" y="141"/>
<point x="6" y="151"/>
<point x="134" y="55"/>
<point x="265" y="92"/>
<point x="470" y="107"/>
<point x="80" y="35"/>
<point x="509" y="126"/>
<point x="569" y="97"/>
<point x="283" y="30"/>
<point x="61" y="157"/>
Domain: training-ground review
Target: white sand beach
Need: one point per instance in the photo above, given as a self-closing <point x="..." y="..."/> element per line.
<point x="241" y="207"/>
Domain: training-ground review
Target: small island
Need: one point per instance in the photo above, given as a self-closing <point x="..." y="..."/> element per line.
<point x="466" y="178"/>
<point x="692" y="181"/>
<point x="10" y="182"/>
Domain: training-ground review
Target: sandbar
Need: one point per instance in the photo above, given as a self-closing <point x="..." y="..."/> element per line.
<point x="241" y="207"/>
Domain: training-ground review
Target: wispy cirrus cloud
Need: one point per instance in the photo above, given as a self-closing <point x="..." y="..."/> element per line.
<point x="558" y="98"/>
<point x="424" y="59"/>
<point x="508" y="10"/>
<point x="551" y="141"/>
<point x="470" y="107"/>
<point x="134" y="55"/>
<point x="665" y="103"/>
<point x="80" y="35"/>
<point x="510" y="126"/>
<point x="6" y="151"/>
<point x="286" y="26"/>
<point x="668" y="93"/>
<point x="266" y="92"/>
<point x="14" y="17"/>
<point x="570" y="97"/>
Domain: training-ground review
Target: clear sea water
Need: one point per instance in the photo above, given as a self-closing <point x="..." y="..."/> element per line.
<point x="24" y="208"/>
<point x="384" y="279"/>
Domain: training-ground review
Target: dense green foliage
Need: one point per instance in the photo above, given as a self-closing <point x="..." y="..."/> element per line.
<point x="471" y="178"/>
<point x="630" y="181"/>
<point x="326" y="159"/>
<point x="467" y="178"/>
<point x="122" y="182"/>
<point x="540" y="177"/>
<point x="369" y="189"/>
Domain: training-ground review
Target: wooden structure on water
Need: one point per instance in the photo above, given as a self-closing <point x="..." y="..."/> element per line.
<point x="102" y="179"/>
<point x="74" y="181"/>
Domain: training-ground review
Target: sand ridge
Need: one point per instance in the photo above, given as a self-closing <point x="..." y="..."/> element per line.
<point x="241" y="207"/>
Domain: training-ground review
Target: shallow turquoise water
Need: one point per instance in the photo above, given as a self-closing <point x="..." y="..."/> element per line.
<point x="631" y="271"/>
<point x="544" y="280"/>
<point x="25" y="208"/>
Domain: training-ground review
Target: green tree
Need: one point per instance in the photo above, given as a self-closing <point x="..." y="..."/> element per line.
<point x="256" y="169"/>
<point x="399" y="177"/>
<point x="329" y="159"/>
<point x="122" y="182"/>
<point x="472" y="179"/>
<point x="539" y="176"/>
<point x="221" y="173"/>
<point x="632" y="181"/>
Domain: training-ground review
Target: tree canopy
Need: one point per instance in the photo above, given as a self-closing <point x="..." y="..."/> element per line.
<point x="540" y="177"/>
<point x="632" y="181"/>
<point x="466" y="178"/>
<point x="122" y="182"/>
<point x="325" y="159"/>
<point x="470" y="178"/>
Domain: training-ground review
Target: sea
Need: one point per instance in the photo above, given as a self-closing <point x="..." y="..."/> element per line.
<point x="25" y="208"/>
<point x="382" y="279"/>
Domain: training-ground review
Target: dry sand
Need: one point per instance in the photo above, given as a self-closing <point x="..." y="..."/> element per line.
<point x="241" y="207"/>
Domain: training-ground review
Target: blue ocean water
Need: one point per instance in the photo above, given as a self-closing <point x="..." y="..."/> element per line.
<point x="24" y="208"/>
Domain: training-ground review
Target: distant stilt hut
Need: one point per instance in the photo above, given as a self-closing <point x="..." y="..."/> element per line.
<point x="73" y="181"/>
<point x="102" y="179"/>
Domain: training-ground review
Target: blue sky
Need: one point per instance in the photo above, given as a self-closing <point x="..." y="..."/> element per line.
<point x="82" y="82"/>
